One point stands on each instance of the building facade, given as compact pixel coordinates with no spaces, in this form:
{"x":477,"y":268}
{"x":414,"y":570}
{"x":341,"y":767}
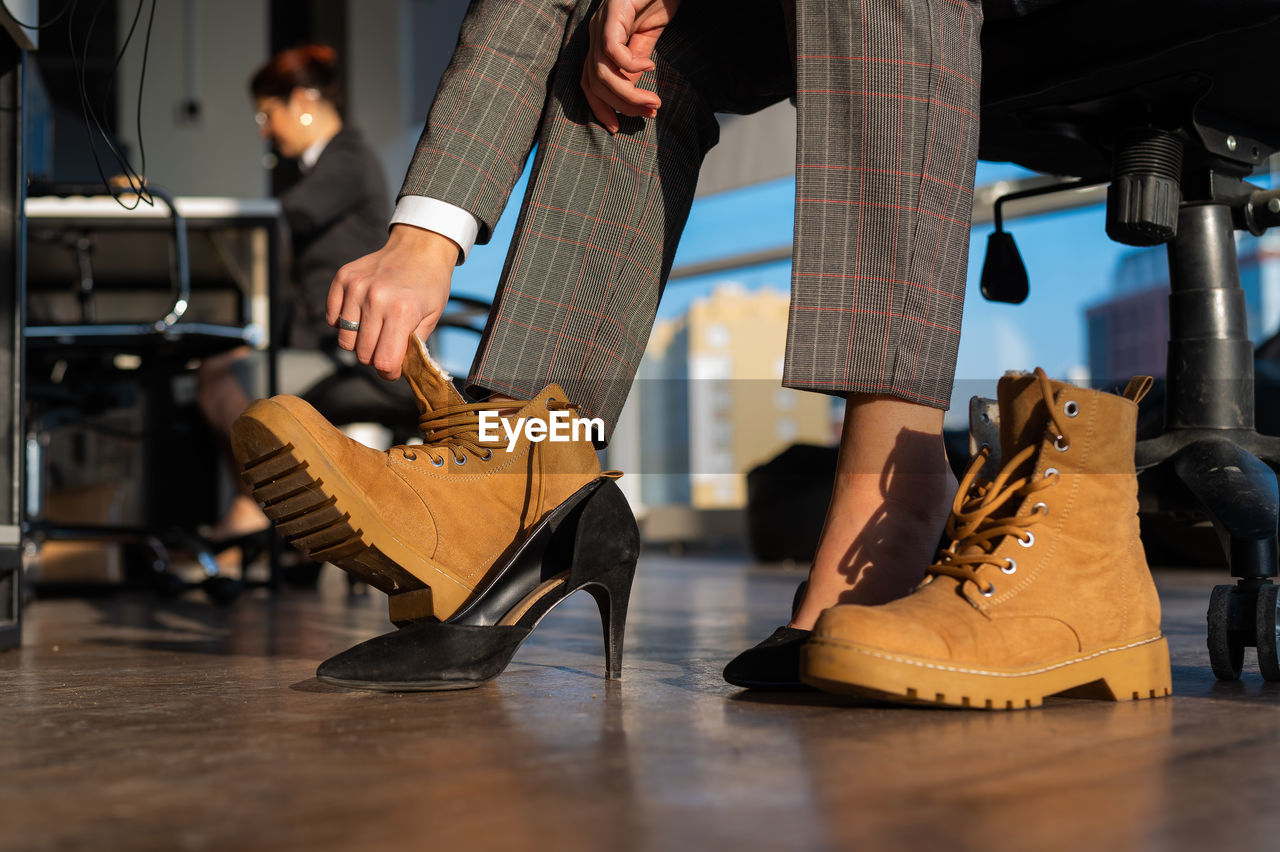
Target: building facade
{"x":709,"y":405}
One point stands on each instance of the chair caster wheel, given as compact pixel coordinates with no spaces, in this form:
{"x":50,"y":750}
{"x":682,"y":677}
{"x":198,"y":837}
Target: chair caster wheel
{"x":1226,"y":647}
{"x":222,"y":590}
{"x":1268,"y":632}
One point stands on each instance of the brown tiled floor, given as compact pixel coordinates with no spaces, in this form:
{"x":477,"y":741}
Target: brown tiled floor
{"x":128,"y":723}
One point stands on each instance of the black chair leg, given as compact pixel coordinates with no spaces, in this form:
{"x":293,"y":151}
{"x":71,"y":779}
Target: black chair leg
{"x":1241,"y":496}
{"x":1210,"y":444}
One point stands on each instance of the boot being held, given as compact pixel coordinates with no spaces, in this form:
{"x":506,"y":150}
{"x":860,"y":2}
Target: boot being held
{"x":426,"y":523}
{"x":1044,"y":589}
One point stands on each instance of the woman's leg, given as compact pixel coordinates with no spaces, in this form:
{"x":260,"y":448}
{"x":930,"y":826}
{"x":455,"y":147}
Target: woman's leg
{"x":603,"y":213}
{"x":887,"y":92}
{"x":222,"y":398}
{"x":892,"y":494}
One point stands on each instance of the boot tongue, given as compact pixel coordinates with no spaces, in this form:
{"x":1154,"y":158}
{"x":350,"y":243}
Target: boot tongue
{"x":1023,"y":414}
{"x":432,"y":385}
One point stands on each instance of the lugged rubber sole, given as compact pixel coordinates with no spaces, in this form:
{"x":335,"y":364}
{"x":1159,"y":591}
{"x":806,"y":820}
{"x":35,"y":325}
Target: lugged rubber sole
{"x":1124,"y":673}
{"x":322,"y":513}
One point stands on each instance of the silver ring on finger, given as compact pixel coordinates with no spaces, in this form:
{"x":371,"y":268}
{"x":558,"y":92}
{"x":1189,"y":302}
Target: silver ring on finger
{"x":348,"y":325}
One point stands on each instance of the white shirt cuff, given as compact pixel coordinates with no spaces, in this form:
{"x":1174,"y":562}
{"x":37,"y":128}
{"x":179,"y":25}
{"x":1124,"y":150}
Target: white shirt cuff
{"x":441,"y":217}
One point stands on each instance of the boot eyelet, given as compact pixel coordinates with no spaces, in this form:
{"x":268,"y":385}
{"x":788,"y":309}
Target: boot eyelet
{"x":1048,"y":472}
{"x":1061,"y":444}
{"x":488,"y":454}
{"x":410,"y":456}
{"x":437,"y":462}
{"x":1025,"y":542}
{"x":989,"y":590}
{"x":550,"y":400}
{"x":1010,"y":568}
{"x":1071,"y":409}
{"x":1040,"y":509}
{"x":459,"y":460}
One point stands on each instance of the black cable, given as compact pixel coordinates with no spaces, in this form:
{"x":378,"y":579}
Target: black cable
{"x":137,"y":179}
{"x":103,"y":131}
{"x":115,"y":67}
{"x":79,"y":60}
{"x":94,"y":121}
{"x":142,"y":78}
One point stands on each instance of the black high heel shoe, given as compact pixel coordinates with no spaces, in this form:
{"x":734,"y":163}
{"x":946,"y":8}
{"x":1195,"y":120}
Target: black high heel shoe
{"x":589,"y":542}
{"x":774,"y":664}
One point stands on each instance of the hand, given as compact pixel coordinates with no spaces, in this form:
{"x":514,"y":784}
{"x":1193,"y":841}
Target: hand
{"x":623,"y":34}
{"x":398,"y":290}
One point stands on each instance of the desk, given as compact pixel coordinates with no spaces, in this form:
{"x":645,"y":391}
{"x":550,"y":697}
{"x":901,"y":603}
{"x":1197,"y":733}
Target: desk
{"x":232,"y":248}
{"x":104,"y":281}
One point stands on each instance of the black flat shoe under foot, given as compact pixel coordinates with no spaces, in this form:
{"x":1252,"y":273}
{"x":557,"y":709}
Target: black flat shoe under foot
{"x":590,"y":542}
{"x":774,"y":664}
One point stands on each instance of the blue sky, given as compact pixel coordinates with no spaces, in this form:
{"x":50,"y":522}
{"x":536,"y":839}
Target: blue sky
{"x":1069,"y":259}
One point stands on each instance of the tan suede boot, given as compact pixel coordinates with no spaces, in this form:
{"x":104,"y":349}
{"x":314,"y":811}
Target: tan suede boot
{"x":423,"y":523}
{"x":1044,"y":588}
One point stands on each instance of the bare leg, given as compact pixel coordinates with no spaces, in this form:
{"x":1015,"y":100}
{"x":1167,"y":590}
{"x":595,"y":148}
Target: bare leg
{"x":892,"y":495}
{"x":221,"y":397}
{"x":222,"y":400}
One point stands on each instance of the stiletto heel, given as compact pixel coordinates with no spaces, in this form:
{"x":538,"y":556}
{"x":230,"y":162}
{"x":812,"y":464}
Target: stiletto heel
{"x":613,"y":618}
{"x":605,"y":551}
{"x":590,"y":542}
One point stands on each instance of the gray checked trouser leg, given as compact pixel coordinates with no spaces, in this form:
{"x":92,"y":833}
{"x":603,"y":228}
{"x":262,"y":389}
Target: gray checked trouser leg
{"x":887,"y":142}
{"x":600,"y":222}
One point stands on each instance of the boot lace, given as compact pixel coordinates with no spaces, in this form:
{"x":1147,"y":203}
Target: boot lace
{"x":983,"y":512}
{"x":455,"y":431}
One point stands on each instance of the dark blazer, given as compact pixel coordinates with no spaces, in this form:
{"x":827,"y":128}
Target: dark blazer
{"x":337,"y":212}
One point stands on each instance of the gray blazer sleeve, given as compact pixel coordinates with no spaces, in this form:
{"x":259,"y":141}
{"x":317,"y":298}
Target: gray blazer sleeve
{"x":485,"y":117}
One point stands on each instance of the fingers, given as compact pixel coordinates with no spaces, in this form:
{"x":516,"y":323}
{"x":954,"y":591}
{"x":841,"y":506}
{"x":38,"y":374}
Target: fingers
{"x":609,"y":94}
{"x":614,"y":83}
{"x":385,"y":326}
{"x":389,"y":294}
{"x":386,"y":353}
{"x":367,"y":337}
{"x":601,"y":110}
{"x":393,"y":340}
{"x":612,"y":67}
{"x":620,"y":93}
{"x":614,"y":39}
{"x":346,"y":296}
{"x":337,"y":291}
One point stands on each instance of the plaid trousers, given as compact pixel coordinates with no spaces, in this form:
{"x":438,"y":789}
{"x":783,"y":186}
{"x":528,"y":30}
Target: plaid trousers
{"x":887,"y":93}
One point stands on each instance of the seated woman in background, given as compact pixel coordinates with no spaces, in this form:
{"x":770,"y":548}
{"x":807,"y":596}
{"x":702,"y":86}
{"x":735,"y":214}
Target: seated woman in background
{"x":338,"y":211}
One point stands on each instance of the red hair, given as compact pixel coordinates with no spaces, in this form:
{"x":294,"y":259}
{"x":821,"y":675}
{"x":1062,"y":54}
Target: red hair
{"x":311,"y":66}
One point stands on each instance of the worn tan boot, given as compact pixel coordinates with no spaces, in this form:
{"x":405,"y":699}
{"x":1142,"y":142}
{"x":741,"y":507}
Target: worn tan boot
{"x":424,"y":523}
{"x":1044,"y":589}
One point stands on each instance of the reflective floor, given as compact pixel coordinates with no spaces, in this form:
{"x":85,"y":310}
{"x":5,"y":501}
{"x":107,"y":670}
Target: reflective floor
{"x":134,"y":724}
